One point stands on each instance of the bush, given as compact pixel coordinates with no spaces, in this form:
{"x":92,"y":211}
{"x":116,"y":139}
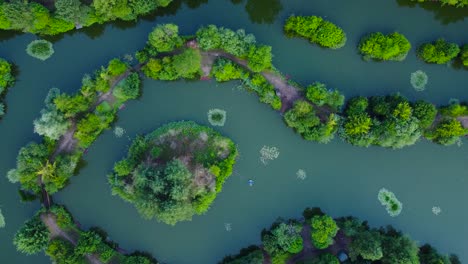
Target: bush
{"x":129,"y":88}
{"x":447,"y":132}
{"x":457,"y":3}
{"x":259,"y":58}
{"x":378,"y":46}
{"x":32,"y":237}
{"x":425,"y":112}
{"x":236,"y":43}
{"x":225,"y":70}
{"x":316,"y":30}
{"x":439,"y":52}
{"x":419,"y":80}
{"x":217,"y":117}
{"x":40,"y":49}
{"x":6,"y":76}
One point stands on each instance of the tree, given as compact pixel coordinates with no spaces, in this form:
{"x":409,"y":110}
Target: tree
{"x":367,"y":244}
{"x":128,"y":88}
{"x":88,"y":243}
{"x":32,"y":237}
{"x":187,"y":64}
{"x":425,"y":112}
{"x":165,"y":37}
{"x":324,"y":229}
{"x":325,"y":258}
{"x":29,"y":161}
{"x":447,"y":132}
{"x":72,"y":11}
{"x":6,"y":76}
{"x":209,"y":37}
{"x":439,"y":52}
{"x":318,"y":94}
{"x":283,"y":237}
{"x":398,"y":248}
{"x":464,"y":55}
{"x":378,"y":46}
{"x":51,"y":124}
{"x":259,"y":58}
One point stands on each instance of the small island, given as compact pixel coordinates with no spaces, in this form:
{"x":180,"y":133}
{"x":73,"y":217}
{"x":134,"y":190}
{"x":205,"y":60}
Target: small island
{"x":174,"y":172}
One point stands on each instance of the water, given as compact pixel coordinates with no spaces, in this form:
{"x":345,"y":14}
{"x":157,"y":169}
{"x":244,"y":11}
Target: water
{"x":341,"y":179}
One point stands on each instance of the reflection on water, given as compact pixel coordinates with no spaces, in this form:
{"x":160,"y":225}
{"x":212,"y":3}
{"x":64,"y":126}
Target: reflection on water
{"x":445,"y":14}
{"x":262,"y":11}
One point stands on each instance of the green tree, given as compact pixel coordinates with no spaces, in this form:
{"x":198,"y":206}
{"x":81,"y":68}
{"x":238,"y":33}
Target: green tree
{"x":367,"y":244}
{"x":324,"y":229}
{"x":187,"y":64}
{"x":129,"y":88}
{"x":378,"y":46}
{"x":447,"y":132}
{"x":88,"y":243}
{"x":325,"y":258}
{"x":398,"y":248}
{"x":425,"y":112}
{"x":439,"y":52}
{"x":51,"y":124}
{"x":259,"y":58}
{"x":283,"y":237}
{"x":72,"y":11}
{"x":165,"y":37}
{"x":32,"y":237}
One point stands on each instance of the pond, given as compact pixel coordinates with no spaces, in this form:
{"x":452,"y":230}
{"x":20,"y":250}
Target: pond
{"x":341,"y":179}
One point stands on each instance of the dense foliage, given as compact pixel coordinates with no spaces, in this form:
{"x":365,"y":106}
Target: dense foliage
{"x":439,"y":52}
{"x":316,"y":30}
{"x":457,"y":3}
{"x":184,"y":65}
{"x":40,"y":49}
{"x":283,"y":243}
{"x":464,"y":55}
{"x":387,"y":121}
{"x":65,"y":15}
{"x":6,"y":80}
{"x":378,"y":46}
{"x":324,"y":229}
{"x":174,"y":172}
{"x":32,"y":237}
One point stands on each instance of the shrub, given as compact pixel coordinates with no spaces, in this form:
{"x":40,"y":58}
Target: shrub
{"x":259,"y":58}
{"x":447,"y":132}
{"x":419,"y":80}
{"x":425,"y":112}
{"x":283,"y":237}
{"x":40,"y":49}
{"x":316,"y":30}
{"x":217,"y":117}
{"x":225,"y":70}
{"x":6,"y":76}
{"x":129,"y":88}
{"x":32,"y":237}
{"x":439,"y":52}
{"x":318,"y":94}
{"x":378,"y":46}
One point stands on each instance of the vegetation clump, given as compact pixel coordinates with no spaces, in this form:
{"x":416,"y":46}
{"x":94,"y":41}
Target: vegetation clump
{"x":174,"y":172}
{"x":217,"y":117}
{"x":456,"y":3}
{"x":6,"y":80}
{"x":316,"y":30}
{"x":283,"y":243}
{"x":66,"y":15}
{"x":40,"y":49}
{"x":419,"y":80}
{"x":439,"y":52}
{"x":391,"y":203}
{"x":464,"y":55}
{"x":283,"y":239}
{"x":394,"y":46}
{"x":387,"y":121}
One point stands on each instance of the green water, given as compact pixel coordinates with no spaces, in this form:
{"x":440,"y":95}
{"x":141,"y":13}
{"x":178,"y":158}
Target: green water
{"x":341,"y":179}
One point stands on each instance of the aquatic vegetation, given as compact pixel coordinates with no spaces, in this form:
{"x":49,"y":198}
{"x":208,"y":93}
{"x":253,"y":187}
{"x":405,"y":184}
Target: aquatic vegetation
{"x":316,"y":30}
{"x":40,"y":49}
{"x":394,"y":46}
{"x":301,"y":174}
{"x":391,"y":203}
{"x":464,"y":55}
{"x":439,"y":52}
{"x":2,"y":219}
{"x":174,"y":172}
{"x":217,"y":117}
{"x":268,"y":153}
{"x":419,"y":80}
{"x":436,"y":210}
{"x":457,"y":3}
{"x":119,"y":131}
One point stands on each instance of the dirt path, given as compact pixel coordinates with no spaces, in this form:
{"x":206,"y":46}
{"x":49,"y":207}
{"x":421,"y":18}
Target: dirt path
{"x":55,"y":232}
{"x":463,"y":120}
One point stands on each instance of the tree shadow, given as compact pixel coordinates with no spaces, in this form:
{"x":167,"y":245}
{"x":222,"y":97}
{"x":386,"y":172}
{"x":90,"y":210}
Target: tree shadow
{"x":261,"y":11}
{"x":445,"y":14}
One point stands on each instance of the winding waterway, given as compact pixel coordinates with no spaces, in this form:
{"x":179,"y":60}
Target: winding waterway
{"x":341,"y":179}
